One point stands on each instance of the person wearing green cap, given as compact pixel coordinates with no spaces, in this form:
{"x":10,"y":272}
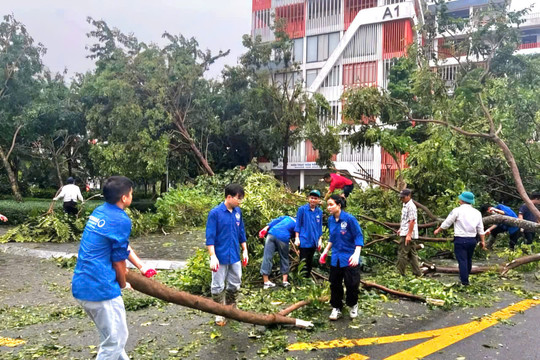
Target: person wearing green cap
{"x":468,"y":224}
{"x":309,"y":230}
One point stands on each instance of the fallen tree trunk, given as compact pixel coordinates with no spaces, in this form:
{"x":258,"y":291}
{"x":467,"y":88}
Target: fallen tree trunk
{"x":370,"y":285}
{"x":502,"y":269}
{"x":512,"y":221}
{"x":160,"y":291}
{"x":300,"y":304}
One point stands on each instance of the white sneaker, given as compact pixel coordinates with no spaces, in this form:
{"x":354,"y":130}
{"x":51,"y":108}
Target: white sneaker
{"x":336,"y":314}
{"x":268,"y":285}
{"x":286,"y":284}
{"x":353,"y":312}
{"x":220,"y":320}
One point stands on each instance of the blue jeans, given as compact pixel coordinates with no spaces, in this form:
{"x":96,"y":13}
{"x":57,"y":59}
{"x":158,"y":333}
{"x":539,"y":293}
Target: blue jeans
{"x":271,"y":245}
{"x":464,"y":250}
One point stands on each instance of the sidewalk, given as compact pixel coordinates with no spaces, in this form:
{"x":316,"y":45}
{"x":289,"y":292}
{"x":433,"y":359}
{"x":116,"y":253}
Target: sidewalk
{"x":50,"y":251}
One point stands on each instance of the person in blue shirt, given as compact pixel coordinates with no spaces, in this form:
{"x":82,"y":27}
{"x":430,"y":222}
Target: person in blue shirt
{"x":525,"y":214}
{"x":346,"y":241}
{"x":497,"y":229}
{"x":278,"y":234}
{"x":225,"y":234}
{"x":309,"y":229}
{"x":100,"y":272}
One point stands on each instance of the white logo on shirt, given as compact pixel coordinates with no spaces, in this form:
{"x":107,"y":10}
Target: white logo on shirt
{"x":101,"y":223}
{"x":343,"y":225}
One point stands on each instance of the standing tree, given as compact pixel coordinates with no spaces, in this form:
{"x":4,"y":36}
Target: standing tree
{"x":20,"y":67}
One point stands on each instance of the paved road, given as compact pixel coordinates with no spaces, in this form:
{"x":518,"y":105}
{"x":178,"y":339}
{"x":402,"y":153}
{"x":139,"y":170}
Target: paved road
{"x":514,"y":338}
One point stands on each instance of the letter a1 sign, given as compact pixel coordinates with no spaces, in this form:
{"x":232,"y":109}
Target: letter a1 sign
{"x":388,"y":12}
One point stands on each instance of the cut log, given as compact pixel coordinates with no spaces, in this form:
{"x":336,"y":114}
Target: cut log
{"x":511,"y":221}
{"x":372,"y":285}
{"x":160,"y":291}
{"x":503,"y":269}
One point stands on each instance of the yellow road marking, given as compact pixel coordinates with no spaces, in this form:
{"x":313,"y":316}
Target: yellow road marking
{"x":9,"y":342}
{"x":438,"y":339}
{"x":354,"y":357}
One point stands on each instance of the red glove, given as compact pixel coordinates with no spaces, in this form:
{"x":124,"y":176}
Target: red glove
{"x":263,"y":233}
{"x":148,"y":272}
{"x":322,"y":259}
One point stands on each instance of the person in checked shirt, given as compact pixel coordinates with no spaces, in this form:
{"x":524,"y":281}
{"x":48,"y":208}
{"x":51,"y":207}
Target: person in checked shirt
{"x":408,"y":232}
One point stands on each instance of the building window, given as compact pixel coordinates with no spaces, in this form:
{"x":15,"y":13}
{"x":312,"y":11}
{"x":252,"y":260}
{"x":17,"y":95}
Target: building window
{"x":310,"y":76}
{"x":320,"y":47}
{"x":459,"y":14}
{"x":298,"y":50}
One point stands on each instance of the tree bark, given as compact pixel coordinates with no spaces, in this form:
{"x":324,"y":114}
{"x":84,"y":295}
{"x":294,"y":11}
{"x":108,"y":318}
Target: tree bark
{"x":11,"y":176}
{"x":369,"y":285}
{"x":160,"y":291}
{"x":512,"y":221}
{"x":502,"y":269}
{"x":58,"y":173}
{"x":198,"y":154}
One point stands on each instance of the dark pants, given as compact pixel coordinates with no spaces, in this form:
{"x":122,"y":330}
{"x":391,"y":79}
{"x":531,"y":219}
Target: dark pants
{"x":498,"y":230}
{"x":306,"y":254}
{"x":70,"y":207}
{"x":351,"y":276}
{"x":347,"y":190}
{"x":528,"y":236}
{"x":464,"y":249}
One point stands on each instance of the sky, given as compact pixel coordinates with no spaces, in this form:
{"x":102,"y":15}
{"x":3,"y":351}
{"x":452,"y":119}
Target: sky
{"x":60,"y":25}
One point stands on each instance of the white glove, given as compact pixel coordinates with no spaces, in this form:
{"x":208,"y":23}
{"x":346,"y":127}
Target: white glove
{"x":319,"y":246}
{"x":214,"y":263}
{"x":245,"y":257}
{"x":297,"y":241}
{"x":128,"y":286}
{"x":355,"y":258}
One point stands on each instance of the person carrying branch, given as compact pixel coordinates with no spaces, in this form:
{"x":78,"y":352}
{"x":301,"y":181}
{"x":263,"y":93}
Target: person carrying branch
{"x":346,"y":241}
{"x":278,"y":234}
{"x":71,"y":194}
{"x":100,"y":273}
{"x":497,"y":229}
{"x":309,"y":230}
{"x":408,"y":232}
{"x":526,"y":214}
{"x":468,"y":225}
{"x":225,"y":234}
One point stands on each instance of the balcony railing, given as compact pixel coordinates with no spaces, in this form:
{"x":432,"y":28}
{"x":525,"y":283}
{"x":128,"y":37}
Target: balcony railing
{"x":529,"y":46}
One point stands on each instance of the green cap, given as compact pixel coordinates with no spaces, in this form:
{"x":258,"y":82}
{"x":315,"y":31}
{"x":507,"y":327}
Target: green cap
{"x":467,"y":196}
{"x":315,"y":192}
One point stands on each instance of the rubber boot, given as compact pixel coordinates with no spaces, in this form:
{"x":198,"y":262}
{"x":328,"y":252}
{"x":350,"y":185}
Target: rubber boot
{"x":230,"y":297}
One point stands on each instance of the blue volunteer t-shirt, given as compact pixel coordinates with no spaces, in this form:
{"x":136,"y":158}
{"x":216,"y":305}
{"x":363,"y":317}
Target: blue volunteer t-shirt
{"x":508,"y":212}
{"x":225,"y":230}
{"x":345,"y":236}
{"x":527,"y":214}
{"x":309,"y":226}
{"x":282,"y":228}
{"x":105,"y":240}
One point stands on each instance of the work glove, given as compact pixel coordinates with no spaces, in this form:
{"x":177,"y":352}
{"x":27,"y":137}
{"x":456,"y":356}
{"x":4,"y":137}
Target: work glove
{"x":127,"y":287}
{"x":263,"y":233}
{"x":214,"y":263}
{"x":3,"y":218}
{"x":148,"y":272}
{"x":354,"y":260}
{"x":322,"y":259}
{"x":245,"y":257}
{"x":297,"y":241}
{"x":319,"y":246}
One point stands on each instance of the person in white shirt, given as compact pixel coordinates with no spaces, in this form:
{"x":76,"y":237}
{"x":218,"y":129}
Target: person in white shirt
{"x":71,"y":194}
{"x":468,"y":224}
{"x":408,"y":232}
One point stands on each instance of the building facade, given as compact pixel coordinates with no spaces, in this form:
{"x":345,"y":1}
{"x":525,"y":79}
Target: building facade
{"x":340,"y":44}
